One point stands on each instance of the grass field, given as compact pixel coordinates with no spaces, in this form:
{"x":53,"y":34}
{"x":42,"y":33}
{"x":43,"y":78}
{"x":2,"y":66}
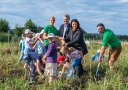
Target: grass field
{"x":12,"y":75}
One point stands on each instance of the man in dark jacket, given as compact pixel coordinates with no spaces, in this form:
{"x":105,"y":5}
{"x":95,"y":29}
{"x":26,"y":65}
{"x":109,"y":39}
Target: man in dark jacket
{"x":64,"y":28}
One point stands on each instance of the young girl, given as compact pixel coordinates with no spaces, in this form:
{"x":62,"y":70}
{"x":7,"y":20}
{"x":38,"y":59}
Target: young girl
{"x":50,"y":58}
{"x":30,"y":54}
{"x":74,"y":55}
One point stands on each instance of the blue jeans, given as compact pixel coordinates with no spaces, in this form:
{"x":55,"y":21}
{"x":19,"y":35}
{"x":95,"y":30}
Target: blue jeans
{"x":75,"y":62}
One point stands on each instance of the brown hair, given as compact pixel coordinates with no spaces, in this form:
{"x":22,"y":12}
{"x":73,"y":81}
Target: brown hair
{"x":67,"y":15}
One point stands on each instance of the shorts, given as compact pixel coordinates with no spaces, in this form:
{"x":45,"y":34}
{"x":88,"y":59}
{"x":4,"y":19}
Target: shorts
{"x":30,"y":56}
{"x":34,"y":56}
{"x":114,"y":53}
{"x":51,"y":69}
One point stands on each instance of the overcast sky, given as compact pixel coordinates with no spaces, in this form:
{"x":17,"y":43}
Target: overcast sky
{"x":113,"y":13}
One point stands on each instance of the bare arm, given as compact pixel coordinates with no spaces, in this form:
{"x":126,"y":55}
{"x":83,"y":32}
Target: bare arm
{"x":33,"y":42}
{"x":80,"y":53}
{"x":102,"y":51}
{"x":45,"y":35}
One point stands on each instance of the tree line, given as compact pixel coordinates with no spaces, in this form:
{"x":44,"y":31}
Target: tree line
{"x":18,"y":30}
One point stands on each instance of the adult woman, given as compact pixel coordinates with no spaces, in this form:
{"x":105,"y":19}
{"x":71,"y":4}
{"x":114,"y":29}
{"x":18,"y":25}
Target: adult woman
{"x":49,"y":29}
{"x":75,"y":38}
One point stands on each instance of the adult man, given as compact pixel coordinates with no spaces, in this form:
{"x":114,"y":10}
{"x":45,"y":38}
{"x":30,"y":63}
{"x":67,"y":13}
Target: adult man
{"x":64,"y":28}
{"x":109,"y":39}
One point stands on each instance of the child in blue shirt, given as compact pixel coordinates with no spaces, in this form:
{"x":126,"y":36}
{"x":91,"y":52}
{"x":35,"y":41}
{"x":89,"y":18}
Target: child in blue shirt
{"x":22,"y":48}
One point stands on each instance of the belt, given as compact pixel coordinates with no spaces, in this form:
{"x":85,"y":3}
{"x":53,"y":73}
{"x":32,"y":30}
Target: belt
{"x":116,"y":47}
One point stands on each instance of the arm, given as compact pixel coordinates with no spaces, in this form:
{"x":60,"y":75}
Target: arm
{"x":75,"y":40}
{"x":34,"y":46}
{"x":33,"y":42}
{"x":51,"y":48}
{"x":63,"y":70}
{"x":102,"y":51}
{"x":80,"y":53}
{"x":42,"y":42}
{"x":45,"y":35}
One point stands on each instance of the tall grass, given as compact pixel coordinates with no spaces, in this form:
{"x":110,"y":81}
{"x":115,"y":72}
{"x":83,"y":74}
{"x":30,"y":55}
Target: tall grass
{"x":12,"y":75}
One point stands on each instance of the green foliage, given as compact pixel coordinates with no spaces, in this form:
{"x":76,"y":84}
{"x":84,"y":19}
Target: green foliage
{"x":18,"y":30}
{"x":4,"y":25}
{"x":4,"y":37}
{"x":31,"y":25}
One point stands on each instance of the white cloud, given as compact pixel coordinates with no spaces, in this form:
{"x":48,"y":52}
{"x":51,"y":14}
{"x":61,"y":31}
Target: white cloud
{"x":89,"y":12}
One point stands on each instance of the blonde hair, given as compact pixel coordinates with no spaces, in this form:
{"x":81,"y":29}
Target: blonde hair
{"x":52,"y":17}
{"x":65,"y":48}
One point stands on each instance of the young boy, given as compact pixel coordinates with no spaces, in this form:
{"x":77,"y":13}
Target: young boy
{"x":50,"y":58}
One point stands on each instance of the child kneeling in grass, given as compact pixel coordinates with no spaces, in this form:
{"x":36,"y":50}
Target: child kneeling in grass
{"x":67,"y":70}
{"x":74,"y":56}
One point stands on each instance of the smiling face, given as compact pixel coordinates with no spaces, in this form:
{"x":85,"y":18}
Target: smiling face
{"x":74,"y":25}
{"x":66,"y":20}
{"x":100,"y":29}
{"x":52,"y":21}
{"x":50,"y":39}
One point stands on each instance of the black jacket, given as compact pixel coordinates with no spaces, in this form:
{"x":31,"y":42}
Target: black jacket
{"x":75,"y":39}
{"x":61,"y":31}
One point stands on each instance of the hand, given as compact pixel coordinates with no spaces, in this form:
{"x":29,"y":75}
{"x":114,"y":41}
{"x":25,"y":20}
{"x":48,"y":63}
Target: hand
{"x":100,"y":59}
{"x":66,"y":44}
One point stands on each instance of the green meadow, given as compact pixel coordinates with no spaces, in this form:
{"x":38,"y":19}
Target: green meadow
{"x":14,"y":77}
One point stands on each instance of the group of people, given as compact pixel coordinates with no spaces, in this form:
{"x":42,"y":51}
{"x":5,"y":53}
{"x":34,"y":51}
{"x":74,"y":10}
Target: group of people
{"x":43,"y":53}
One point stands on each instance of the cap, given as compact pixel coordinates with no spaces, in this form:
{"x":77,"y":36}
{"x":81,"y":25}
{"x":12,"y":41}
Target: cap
{"x":28,"y":31}
{"x":60,"y":59}
{"x":37,"y":35}
{"x":50,"y":35}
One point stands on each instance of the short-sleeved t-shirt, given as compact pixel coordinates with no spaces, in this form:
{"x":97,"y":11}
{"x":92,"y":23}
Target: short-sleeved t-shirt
{"x":27,"y":45}
{"x":40,"y":49}
{"x":110,"y":39}
{"x":48,"y":29}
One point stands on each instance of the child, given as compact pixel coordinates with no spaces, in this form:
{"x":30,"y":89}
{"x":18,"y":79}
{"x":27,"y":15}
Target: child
{"x":40,"y":47}
{"x":74,"y":55}
{"x":28,"y":45}
{"x":22,"y":48}
{"x":67,"y":70}
{"x":61,"y":60}
{"x":30,"y":52}
{"x":51,"y":56}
